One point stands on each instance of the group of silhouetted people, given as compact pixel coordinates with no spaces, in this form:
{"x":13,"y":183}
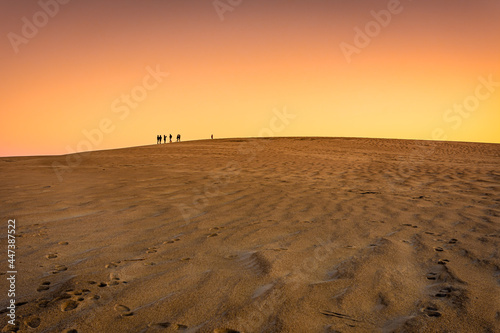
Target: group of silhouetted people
{"x":159,"y":137}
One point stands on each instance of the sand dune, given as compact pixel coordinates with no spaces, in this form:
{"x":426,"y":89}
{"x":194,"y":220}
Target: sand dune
{"x":258,"y":235}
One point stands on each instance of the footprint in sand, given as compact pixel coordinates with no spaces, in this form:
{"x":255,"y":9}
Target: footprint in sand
{"x":225,"y":330}
{"x":70,"y":330}
{"x":59,"y":269}
{"x":123,"y":310}
{"x":44,"y":286}
{"x":172,"y":241}
{"x":181,"y":327}
{"x":114,"y":280}
{"x":453,"y":241}
{"x":69,"y":305}
{"x":432,"y":276}
{"x":213,"y":235}
{"x":33,"y":322}
{"x":152,"y":250}
{"x":63,"y":243}
{"x":43,"y":303}
{"x":438,"y":249}
{"x":51,"y":256}
{"x":441,"y":273}
{"x":431,"y":311}
{"x":79,"y":292}
{"x":445,"y":292}
{"x":163,"y":325}
{"x":113,"y":264}
{"x":63,"y":296}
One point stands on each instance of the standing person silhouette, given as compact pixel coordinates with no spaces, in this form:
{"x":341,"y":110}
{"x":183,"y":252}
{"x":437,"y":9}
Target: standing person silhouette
{"x":158,"y":139}
{"x":178,"y":138}
{"x":164,"y":138}
{"x":212,"y":136}
{"x":170,"y":137}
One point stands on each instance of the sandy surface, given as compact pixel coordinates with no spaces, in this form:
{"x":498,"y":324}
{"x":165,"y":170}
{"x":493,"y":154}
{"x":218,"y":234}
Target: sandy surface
{"x":280,"y":235}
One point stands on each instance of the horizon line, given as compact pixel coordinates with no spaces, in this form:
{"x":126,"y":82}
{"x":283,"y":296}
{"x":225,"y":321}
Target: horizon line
{"x":249,"y":138}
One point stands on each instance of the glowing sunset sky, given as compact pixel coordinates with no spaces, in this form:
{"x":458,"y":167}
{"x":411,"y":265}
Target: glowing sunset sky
{"x":226,"y":76}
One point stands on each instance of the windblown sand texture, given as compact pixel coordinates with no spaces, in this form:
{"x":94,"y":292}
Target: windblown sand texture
{"x":259,"y":235}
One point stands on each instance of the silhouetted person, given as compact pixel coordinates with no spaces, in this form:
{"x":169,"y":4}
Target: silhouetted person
{"x":170,"y":137}
{"x":212,"y":136}
{"x":178,"y":138}
{"x":164,"y":138}
{"x":158,"y":139}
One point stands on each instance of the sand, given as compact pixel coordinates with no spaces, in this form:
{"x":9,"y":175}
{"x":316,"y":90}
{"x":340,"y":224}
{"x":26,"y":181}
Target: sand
{"x":257,"y":235}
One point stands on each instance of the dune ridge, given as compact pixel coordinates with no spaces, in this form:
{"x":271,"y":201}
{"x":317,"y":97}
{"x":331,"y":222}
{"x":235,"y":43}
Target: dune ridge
{"x":259,"y":235}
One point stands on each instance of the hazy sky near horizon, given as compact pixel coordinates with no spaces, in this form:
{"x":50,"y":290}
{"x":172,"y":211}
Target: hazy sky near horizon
{"x":81,"y":75}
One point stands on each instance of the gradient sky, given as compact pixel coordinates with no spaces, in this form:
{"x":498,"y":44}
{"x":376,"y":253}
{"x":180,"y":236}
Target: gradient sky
{"x":229,"y":77}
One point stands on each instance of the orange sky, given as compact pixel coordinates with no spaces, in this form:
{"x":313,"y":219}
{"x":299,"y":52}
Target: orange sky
{"x":421,"y":76}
